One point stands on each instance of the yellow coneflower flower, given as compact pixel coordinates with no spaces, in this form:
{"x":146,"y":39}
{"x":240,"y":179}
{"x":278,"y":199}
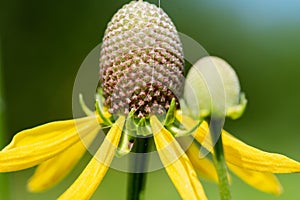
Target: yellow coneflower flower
{"x":141,"y":76}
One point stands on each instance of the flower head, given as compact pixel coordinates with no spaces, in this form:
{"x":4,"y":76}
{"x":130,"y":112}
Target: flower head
{"x":141,"y":60}
{"x":141,"y":81}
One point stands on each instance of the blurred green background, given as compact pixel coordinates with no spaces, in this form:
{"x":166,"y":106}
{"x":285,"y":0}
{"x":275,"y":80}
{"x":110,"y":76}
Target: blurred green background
{"x":43,"y":44}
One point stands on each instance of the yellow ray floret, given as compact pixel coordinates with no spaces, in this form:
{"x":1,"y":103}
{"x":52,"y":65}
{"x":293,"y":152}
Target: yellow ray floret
{"x":51,"y":171}
{"x":43,"y":132}
{"x":203,"y":165}
{"x":176,"y":163}
{"x":33,"y":146}
{"x":263,"y":181}
{"x":245,"y":156}
{"x":86,"y":184}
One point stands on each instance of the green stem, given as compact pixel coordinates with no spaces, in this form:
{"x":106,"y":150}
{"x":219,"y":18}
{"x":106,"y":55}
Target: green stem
{"x":137,"y":181}
{"x":219,"y":159}
{"x":4,"y":187}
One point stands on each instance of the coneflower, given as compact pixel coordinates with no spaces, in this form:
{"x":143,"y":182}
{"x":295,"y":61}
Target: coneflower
{"x":141,"y":81}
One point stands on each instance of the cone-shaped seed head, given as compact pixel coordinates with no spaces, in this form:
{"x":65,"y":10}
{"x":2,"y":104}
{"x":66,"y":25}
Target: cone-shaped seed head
{"x":141,"y":61}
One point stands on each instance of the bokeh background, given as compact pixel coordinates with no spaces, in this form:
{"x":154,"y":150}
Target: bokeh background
{"x":43,"y":44}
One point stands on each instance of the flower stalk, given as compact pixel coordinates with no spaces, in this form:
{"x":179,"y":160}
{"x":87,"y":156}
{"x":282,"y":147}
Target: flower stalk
{"x":137,"y":179}
{"x":219,"y":159}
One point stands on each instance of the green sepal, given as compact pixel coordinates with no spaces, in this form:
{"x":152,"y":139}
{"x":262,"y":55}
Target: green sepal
{"x":170,"y":117}
{"x":130,"y":122}
{"x":99,"y":110}
{"x":125,"y":145}
{"x":84,"y":107}
{"x":237,"y":111}
{"x":143,"y":127}
{"x":179,"y":132}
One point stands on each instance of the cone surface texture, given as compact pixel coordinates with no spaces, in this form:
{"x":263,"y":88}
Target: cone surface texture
{"x":141,"y":61}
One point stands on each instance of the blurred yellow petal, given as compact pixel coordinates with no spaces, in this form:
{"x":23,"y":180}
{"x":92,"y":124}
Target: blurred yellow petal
{"x":50,"y":172}
{"x":42,"y":143}
{"x":203,"y":165}
{"x":263,"y":181}
{"x":245,"y":156}
{"x":176,"y":163}
{"x":88,"y":181}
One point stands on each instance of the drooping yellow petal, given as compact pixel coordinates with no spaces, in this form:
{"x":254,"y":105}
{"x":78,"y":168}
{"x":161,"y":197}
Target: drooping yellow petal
{"x":176,"y":163}
{"x":263,"y":181}
{"x":203,"y":165}
{"x":43,"y":132}
{"x":42,"y":143}
{"x":245,"y":156}
{"x":51,"y":171}
{"x":86,"y":184}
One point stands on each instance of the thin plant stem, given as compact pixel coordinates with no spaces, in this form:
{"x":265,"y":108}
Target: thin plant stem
{"x":219,"y":159}
{"x":4,"y":186}
{"x":137,"y":181}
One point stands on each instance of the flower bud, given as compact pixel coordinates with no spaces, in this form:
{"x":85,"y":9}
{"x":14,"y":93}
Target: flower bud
{"x":212,"y":86}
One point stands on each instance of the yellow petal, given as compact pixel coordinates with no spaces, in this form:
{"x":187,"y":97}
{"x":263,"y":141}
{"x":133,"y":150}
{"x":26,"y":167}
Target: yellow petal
{"x":86,"y":184}
{"x":203,"y":165}
{"x":42,"y":143}
{"x":43,"y":132}
{"x":176,"y":163}
{"x":263,"y":181}
{"x":201,"y":134}
{"x":245,"y":156}
{"x":50,"y":172}
{"x":187,"y":122}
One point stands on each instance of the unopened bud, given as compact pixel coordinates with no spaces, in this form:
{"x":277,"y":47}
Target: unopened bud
{"x":212,"y":86}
